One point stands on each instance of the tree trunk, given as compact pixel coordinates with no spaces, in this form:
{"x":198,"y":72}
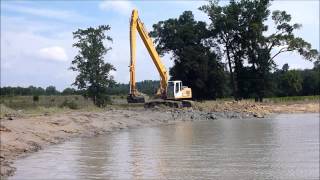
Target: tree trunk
{"x":234,"y":84}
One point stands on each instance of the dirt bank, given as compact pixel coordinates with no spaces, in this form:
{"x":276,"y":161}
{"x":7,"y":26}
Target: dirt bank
{"x":22,"y":135}
{"x":258,"y":109}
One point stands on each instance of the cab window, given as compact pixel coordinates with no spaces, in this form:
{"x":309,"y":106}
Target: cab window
{"x":177,"y":87}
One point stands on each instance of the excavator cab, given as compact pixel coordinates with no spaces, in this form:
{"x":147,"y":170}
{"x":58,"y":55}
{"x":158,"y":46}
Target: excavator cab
{"x":176,"y":90}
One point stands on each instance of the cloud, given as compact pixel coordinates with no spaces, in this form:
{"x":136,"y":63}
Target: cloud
{"x":54,"y":53}
{"x":65,"y":15}
{"x":306,"y":12}
{"x":121,"y":7}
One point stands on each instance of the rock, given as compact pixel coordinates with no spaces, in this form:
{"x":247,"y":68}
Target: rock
{"x":258,"y":115}
{"x":4,"y":129}
{"x":212,"y":116}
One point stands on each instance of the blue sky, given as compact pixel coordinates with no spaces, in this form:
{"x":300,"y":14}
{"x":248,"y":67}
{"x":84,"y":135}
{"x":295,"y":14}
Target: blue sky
{"x":36,"y":36}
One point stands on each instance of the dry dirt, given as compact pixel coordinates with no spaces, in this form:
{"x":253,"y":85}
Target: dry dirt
{"x":21,"y":136}
{"x":258,"y":109}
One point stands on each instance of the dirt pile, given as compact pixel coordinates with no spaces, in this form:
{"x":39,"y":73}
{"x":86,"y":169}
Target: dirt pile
{"x":250,"y":108}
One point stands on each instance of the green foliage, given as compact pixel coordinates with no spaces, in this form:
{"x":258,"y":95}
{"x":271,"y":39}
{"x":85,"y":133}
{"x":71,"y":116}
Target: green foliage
{"x":21,"y":91}
{"x":148,"y":87}
{"x":26,"y":102}
{"x":195,"y":63}
{"x":35,"y":98}
{"x":285,"y":67}
{"x":293,"y":99}
{"x":310,"y":82}
{"x":69,"y":91}
{"x":70,"y":104}
{"x":102,"y":100}
{"x":94,"y":74}
{"x":51,"y":90}
{"x":291,"y":83}
{"x":240,"y":27}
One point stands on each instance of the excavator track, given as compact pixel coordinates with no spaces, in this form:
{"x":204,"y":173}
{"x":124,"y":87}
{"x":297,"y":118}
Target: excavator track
{"x":169,"y":103}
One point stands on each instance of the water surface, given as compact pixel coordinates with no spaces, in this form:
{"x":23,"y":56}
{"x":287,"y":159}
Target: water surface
{"x":282,"y":147}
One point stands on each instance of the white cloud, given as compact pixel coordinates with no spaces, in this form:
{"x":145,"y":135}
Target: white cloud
{"x":54,"y":53}
{"x":65,"y":15}
{"x":306,"y":12}
{"x":121,"y":7}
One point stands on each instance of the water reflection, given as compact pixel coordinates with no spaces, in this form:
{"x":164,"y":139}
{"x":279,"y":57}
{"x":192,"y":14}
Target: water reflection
{"x":283,"y":147}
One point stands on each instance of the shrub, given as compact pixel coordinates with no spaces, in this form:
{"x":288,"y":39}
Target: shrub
{"x":35,"y":98}
{"x":103,"y":100}
{"x":70,"y":104}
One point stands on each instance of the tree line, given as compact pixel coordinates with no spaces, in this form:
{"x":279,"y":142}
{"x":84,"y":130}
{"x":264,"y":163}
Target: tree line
{"x":284,"y":82}
{"x":148,"y":87}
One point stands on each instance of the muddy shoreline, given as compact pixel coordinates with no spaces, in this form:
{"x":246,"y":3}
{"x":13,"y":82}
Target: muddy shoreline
{"x":22,"y":136}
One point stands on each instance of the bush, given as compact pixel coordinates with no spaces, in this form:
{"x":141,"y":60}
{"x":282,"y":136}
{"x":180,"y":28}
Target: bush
{"x":35,"y":98}
{"x":70,"y":104}
{"x":102,"y":100}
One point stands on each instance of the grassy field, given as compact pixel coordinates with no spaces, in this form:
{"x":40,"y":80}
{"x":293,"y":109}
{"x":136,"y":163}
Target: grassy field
{"x":30,"y":102}
{"x":30,"y":105}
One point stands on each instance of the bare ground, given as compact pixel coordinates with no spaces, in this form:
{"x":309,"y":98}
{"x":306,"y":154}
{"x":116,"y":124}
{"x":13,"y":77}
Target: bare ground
{"x":21,"y":135}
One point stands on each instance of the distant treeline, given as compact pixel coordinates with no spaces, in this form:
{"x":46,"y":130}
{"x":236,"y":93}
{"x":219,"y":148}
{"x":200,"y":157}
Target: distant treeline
{"x":285,"y":82}
{"x":148,"y":87}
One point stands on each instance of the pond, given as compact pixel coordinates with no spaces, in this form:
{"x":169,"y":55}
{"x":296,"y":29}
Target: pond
{"x":284,"y":146}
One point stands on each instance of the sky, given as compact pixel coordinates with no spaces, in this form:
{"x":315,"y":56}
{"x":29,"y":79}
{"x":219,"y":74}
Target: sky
{"x":36,"y":36}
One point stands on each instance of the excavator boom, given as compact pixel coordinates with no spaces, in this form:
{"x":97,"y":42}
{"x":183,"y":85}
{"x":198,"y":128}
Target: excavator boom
{"x":173,"y":90}
{"x":137,"y":25}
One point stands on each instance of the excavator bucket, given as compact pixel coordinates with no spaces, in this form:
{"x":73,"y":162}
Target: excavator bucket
{"x":135,"y":99}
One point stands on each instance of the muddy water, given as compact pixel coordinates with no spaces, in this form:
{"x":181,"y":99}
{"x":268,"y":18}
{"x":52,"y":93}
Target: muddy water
{"x":285,"y":146}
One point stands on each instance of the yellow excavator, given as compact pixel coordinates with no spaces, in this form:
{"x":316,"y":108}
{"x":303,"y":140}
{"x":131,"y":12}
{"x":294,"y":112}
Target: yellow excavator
{"x":172,"y":93}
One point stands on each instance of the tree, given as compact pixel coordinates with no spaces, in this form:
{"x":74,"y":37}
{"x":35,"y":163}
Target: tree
{"x":94,"y":74}
{"x":51,"y":90}
{"x":291,"y":83}
{"x":69,"y":91}
{"x":310,"y":82}
{"x":195,"y":63}
{"x":225,"y":29}
{"x":240,"y":26}
{"x":285,"y":67}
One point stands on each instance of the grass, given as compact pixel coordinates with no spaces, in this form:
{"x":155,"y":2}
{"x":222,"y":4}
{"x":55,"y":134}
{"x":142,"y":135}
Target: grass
{"x":32,"y":106}
{"x":28,"y":102}
{"x":29,"y":105}
{"x":287,"y":99}
{"x":293,"y":99}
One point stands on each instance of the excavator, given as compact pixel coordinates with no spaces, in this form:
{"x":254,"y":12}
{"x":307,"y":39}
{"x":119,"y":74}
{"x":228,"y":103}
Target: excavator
{"x":171,"y":93}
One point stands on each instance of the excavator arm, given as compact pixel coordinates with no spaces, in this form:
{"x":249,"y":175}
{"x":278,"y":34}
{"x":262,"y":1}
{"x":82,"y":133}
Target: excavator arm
{"x":137,"y":25}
